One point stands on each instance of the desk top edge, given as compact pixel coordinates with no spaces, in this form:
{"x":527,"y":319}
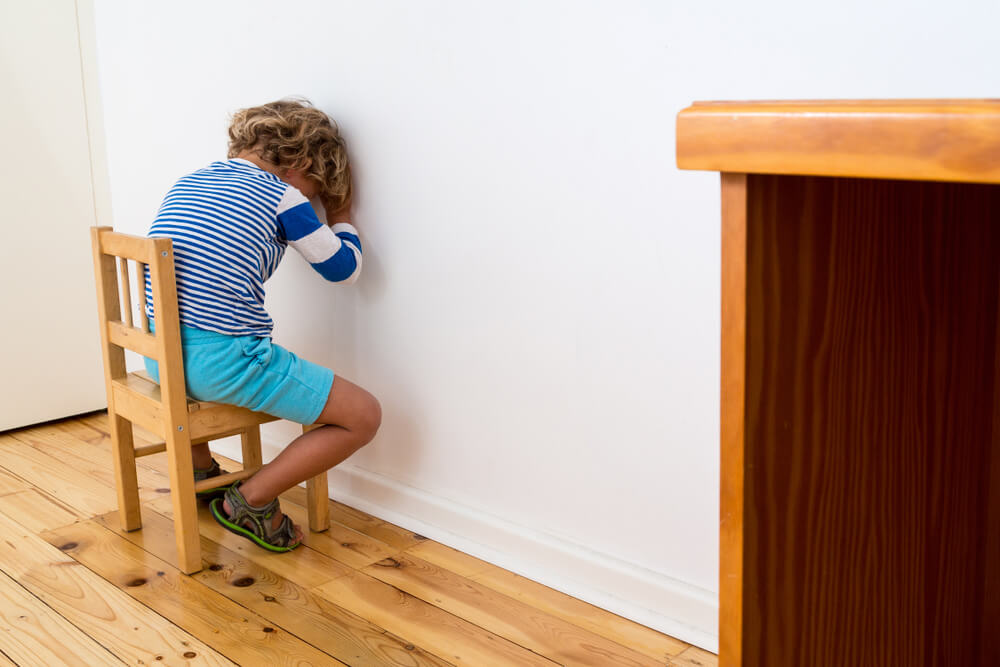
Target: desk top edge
{"x":902,"y":107}
{"x":919,"y":139}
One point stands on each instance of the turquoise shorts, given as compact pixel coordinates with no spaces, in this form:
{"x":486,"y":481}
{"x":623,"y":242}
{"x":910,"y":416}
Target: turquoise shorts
{"x":251,"y":372}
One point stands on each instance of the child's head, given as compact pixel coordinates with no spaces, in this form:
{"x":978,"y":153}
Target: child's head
{"x":292,"y":134}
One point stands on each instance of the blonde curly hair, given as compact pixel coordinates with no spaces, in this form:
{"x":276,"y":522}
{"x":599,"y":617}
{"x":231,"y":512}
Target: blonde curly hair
{"x":293,"y":134}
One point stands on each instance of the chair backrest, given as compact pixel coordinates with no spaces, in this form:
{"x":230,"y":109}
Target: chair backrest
{"x":112,"y":253}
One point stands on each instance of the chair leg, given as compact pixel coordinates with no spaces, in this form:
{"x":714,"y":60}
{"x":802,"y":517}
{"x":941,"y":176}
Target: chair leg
{"x":317,"y":497}
{"x":250,"y":439}
{"x":184,"y":503}
{"x":126,"y":483}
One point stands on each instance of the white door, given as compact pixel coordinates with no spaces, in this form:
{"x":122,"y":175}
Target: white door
{"x":50,"y":355}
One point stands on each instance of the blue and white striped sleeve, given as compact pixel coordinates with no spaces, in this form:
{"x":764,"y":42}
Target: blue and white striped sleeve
{"x":335,"y":252}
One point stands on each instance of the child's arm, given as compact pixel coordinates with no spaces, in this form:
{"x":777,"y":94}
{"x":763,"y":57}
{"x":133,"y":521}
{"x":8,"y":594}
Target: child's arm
{"x":335,"y":252}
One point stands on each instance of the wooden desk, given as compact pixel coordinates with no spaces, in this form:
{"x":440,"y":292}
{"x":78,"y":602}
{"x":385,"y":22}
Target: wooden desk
{"x":860,"y":379}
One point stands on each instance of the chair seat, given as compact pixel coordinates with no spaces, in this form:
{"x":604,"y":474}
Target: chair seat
{"x":137,"y":397}
{"x":147,"y":385}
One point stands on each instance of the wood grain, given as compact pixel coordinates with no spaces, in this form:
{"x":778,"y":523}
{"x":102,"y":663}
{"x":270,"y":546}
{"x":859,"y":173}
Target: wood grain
{"x":694,"y":657}
{"x":34,"y":634}
{"x":56,"y":478}
{"x":448,"y":558}
{"x":126,"y":628}
{"x":287,"y":604}
{"x":940,"y":140}
{"x":340,"y":542}
{"x":445,"y":635}
{"x":35,"y":511}
{"x":122,"y":245}
{"x":217,"y":621}
{"x":11,"y":483}
{"x":579,"y":613}
{"x":386,"y":533}
{"x":504,"y":616}
{"x":990,"y":647}
{"x":89,"y":460}
{"x":871,"y":390}
{"x":732,"y":413}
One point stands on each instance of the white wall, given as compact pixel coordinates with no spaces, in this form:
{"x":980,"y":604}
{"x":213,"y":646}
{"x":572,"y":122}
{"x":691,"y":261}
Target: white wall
{"x":539,"y":308}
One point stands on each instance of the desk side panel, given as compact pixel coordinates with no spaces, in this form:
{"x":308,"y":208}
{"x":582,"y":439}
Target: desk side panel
{"x":732,"y":403}
{"x":871,"y":392}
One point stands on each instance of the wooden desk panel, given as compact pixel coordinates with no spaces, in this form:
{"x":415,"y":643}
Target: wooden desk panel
{"x":870,"y":397}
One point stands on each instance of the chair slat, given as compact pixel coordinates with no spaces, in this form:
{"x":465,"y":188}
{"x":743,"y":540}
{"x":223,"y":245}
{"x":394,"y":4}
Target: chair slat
{"x":124,"y":245}
{"x":132,"y":339}
{"x":217,"y":418}
{"x":224,"y":480}
{"x":146,"y":450}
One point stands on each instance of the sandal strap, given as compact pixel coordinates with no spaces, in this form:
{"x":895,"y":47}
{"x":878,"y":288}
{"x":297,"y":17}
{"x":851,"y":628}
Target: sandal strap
{"x":213,"y":471}
{"x":258,"y":520}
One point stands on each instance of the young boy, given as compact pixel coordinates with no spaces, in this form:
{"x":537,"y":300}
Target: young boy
{"x":230,"y":224}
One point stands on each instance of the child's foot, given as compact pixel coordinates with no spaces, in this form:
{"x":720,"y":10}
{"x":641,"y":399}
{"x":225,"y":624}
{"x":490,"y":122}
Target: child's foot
{"x":266,"y":526}
{"x":275,"y":523}
{"x":207,"y":472}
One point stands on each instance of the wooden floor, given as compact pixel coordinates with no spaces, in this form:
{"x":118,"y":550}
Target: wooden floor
{"x":76,"y":590}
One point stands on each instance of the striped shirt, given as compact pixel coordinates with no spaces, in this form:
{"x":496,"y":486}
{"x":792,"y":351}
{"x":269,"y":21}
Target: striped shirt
{"x":230,"y":224}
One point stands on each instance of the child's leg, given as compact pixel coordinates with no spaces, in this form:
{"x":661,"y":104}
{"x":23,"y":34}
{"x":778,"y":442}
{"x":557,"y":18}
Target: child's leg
{"x":201,"y":456}
{"x":352,"y":417}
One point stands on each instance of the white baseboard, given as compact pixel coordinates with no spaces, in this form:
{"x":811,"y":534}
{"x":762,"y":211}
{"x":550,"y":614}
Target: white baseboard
{"x":655,"y":600}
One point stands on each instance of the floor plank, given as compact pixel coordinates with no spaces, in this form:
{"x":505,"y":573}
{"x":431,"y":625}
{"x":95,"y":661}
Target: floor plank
{"x":95,"y":460}
{"x":504,"y":616}
{"x":604,"y":623}
{"x":35,"y":511}
{"x":645,"y":640}
{"x":694,"y":657}
{"x":128,"y":629}
{"x":10,"y":483}
{"x":395,"y":536}
{"x":33,"y":634}
{"x":285,"y":603}
{"x":443,"y":634}
{"x":230,"y":629}
{"x":58,"y":479}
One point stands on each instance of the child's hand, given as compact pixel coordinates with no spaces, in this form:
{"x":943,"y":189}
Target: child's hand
{"x":337,"y":211}
{"x":338,"y":206}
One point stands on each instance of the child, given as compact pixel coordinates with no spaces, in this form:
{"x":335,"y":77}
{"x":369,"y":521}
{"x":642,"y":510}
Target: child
{"x":230,"y":224}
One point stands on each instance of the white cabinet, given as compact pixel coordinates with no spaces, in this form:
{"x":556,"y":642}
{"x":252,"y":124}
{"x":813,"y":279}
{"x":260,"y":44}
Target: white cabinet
{"x":50,"y":356}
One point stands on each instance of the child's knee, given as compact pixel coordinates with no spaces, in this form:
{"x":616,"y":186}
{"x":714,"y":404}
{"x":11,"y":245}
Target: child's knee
{"x":369,"y":418}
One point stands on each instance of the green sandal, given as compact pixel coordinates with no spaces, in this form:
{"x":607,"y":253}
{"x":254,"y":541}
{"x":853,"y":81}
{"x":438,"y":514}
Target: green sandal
{"x":254,"y":523}
{"x":213,"y":471}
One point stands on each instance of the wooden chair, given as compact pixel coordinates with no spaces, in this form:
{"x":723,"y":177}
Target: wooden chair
{"x":164,"y":409}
